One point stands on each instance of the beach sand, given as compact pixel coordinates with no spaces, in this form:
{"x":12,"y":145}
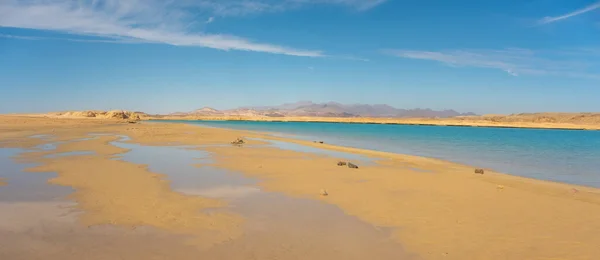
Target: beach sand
{"x":433,"y":209}
{"x":578,"y":121}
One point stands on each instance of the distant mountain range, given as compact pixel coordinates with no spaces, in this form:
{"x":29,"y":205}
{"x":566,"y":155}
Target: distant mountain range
{"x":330,"y":109}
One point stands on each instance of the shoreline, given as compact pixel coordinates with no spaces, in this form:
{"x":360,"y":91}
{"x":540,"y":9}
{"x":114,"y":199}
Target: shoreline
{"x":383,"y":154}
{"x":391,"y":155}
{"x":410,"y":122}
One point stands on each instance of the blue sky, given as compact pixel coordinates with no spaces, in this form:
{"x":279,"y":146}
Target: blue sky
{"x":505,"y":56}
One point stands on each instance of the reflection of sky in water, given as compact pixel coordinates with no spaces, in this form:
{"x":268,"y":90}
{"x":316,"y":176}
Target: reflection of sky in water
{"x":74,"y":153}
{"x":48,"y":146}
{"x":178,"y":164}
{"x":41,"y":136}
{"x":26,"y":186}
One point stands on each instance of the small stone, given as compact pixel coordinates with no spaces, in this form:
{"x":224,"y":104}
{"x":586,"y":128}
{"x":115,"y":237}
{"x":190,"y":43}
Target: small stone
{"x":479,"y":171}
{"x":320,"y":142}
{"x":352,"y":166}
{"x":238,"y":141}
{"x":340,"y":163}
{"x":324,"y":192}
{"x":500,"y":187}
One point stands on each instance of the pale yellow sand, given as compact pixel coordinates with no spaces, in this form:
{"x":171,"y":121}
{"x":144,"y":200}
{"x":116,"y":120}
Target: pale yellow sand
{"x":449,"y":213}
{"x":588,"y":121}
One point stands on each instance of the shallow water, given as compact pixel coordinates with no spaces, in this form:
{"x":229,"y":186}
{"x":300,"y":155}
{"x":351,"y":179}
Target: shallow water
{"x":26,"y":186}
{"x":36,"y":222}
{"x":74,"y":153}
{"x":558,"y":155}
{"x":276,"y":226}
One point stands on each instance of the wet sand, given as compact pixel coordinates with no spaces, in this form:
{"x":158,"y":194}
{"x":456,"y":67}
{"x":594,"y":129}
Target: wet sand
{"x":395,"y":207}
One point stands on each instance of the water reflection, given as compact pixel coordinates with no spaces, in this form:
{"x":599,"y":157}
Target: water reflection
{"x":25,"y":186}
{"x":276,"y":226}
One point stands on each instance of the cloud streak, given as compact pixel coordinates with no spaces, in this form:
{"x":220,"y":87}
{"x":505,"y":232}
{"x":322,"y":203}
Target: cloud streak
{"x":150,"y":21}
{"x":516,"y":62}
{"x":552,"y":19}
{"x":250,"y":7}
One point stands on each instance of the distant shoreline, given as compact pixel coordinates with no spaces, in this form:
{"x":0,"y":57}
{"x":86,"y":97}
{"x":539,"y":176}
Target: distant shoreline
{"x":418,"y":122}
{"x":557,"y":121}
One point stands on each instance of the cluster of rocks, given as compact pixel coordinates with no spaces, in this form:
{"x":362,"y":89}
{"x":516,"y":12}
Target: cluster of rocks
{"x":479,"y":171}
{"x":238,"y":141}
{"x":350,"y":165}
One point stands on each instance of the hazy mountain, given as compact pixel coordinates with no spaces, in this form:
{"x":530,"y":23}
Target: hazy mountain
{"x":286,"y":106}
{"x":330,"y":109}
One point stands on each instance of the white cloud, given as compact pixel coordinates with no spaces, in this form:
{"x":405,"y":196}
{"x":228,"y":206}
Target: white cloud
{"x":151,"y":21}
{"x":247,"y":7}
{"x":210,"y":20}
{"x":580,"y":63}
{"x":36,"y":38}
{"x":551,"y":19}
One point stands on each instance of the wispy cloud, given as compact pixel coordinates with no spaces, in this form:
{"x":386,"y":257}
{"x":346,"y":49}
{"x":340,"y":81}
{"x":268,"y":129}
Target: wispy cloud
{"x":551,"y":19}
{"x":248,"y":7}
{"x":37,"y":38}
{"x":210,"y":20}
{"x":153,"y":21}
{"x":582,"y":63}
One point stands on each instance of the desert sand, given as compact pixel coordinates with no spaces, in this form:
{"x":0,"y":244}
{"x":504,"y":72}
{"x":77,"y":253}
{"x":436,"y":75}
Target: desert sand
{"x":581,"y":121}
{"x":440,"y":211}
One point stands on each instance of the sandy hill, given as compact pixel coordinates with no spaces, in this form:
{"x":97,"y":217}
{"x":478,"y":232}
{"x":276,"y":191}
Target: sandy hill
{"x":99,"y":114}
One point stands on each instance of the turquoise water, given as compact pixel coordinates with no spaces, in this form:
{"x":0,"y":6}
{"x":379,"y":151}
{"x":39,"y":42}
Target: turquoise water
{"x":558,"y":155}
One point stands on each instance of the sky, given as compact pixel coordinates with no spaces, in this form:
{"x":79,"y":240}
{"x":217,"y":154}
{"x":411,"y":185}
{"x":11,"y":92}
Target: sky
{"x":157,"y":56}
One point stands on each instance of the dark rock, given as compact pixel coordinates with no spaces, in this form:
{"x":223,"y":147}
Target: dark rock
{"x":479,"y":171}
{"x":238,"y":141}
{"x":353,"y":166}
{"x":340,"y":163}
{"x":320,"y":142}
